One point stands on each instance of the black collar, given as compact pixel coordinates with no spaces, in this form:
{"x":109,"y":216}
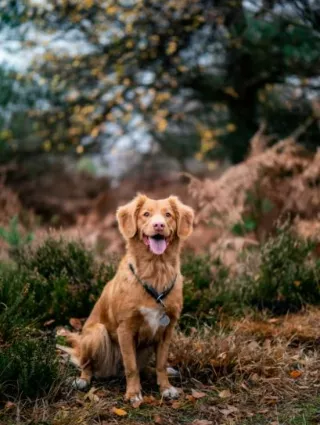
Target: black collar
{"x":151,"y":290}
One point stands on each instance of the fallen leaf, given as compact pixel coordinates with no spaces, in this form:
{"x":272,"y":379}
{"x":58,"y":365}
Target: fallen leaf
{"x":176,"y":404}
{"x":295,"y":374}
{"x":76,"y":324}
{"x":229,"y":410}
{"x":151,"y":401}
{"x":224,"y":394}
{"x":189,"y":397}
{"x":197,"y":394}
{"x":91,"y":395}
{"x":157,"y":419}
{"x":202,"y":422}
{"x":119,"y":412}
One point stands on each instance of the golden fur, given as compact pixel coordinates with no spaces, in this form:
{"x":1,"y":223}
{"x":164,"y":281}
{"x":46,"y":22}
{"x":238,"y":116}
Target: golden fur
{"x":124,"y":323}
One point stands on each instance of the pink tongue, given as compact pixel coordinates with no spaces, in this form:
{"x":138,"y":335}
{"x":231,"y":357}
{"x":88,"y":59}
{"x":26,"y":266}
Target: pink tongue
{"x":157,"y":246}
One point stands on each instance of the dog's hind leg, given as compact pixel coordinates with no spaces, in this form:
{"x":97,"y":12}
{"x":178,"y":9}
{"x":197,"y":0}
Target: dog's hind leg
{"x":99,"y":356}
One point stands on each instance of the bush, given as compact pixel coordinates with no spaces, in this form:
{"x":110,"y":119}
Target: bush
{"x":208,"y":290}
{"x":28,"y":367}
{"x":285,"y":277}
{"x":61,"y":279}
{"x":288,"y":276}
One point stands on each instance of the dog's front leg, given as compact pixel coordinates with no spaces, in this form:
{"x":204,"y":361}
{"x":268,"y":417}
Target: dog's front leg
{"x":162,"y":351}
{"x":128,"y":351}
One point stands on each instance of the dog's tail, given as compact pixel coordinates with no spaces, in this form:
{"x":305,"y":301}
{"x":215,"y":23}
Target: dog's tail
{"x":74,"y":351}
{"x":93,"y":348}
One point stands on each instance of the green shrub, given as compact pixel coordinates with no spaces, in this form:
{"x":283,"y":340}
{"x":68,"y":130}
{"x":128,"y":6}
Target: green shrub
{"x":285,"y":277}
{"x":57,"y":280}
{"x":288,"y":277}
{"x":206,"y":289}
{"x":28,"y":367}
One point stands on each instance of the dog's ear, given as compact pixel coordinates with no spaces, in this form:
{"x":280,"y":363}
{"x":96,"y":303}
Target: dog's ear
{"x":127,"y":216}
{"x":185,"y":217}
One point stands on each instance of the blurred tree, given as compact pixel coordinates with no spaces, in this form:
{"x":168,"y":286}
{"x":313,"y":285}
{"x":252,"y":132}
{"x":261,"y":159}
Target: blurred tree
{"x":270,"y":71}
{"x":196,"y":75}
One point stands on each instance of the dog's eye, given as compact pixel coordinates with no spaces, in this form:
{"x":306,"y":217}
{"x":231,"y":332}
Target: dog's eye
{"x":168,"y":214}
{"x":146,"y":214}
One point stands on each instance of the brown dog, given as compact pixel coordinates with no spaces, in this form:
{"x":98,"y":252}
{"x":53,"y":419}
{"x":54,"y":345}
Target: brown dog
{"x":140,"y":306}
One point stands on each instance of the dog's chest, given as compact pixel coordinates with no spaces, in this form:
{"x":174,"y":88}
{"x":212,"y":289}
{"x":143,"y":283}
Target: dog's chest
{"x":152,"y":318}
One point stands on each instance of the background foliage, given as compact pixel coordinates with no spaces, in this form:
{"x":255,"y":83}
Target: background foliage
{"x":194,"y":78}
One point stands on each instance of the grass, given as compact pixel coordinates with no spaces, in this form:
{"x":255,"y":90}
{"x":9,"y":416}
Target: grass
{"x":300,"y":414}
{"x":232,"y":350}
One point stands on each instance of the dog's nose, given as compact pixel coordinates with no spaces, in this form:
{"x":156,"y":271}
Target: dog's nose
{"x":158,"y":226}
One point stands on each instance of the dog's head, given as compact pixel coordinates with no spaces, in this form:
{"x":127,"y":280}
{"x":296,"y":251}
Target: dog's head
{"x":155,"y":223}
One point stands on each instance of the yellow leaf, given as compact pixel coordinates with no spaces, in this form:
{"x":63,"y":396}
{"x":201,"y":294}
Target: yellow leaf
{"x":231,"y":91}
{"x":231,"y":127}
{"x":6,"y":134}
{"x":172,"y":47}
{"x":88,"y":3}
{"x":79,"y":149}
{"x":91,"y":395}
{"x":111,"y":10}
{"x":129,"y":44}
{"x":119,"y":412}
{"x":162,"y":124}
{"x":47,"y":145}
{"x":95,"y":131}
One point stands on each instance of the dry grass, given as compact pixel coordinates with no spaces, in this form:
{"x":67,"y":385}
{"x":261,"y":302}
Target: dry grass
{"x":230,"y":374}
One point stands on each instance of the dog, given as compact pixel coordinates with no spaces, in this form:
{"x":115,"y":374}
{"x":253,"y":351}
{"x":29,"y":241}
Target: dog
{"x":139,"y":308}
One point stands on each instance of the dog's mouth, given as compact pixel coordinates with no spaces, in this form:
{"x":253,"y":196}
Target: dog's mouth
{"x":157,"y":243}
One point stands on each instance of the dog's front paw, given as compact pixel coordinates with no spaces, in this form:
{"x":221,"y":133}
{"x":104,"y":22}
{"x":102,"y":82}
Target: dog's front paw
{"x":80,"y":384}
{"x":170,"y":392}
{"x":134,"y":398}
